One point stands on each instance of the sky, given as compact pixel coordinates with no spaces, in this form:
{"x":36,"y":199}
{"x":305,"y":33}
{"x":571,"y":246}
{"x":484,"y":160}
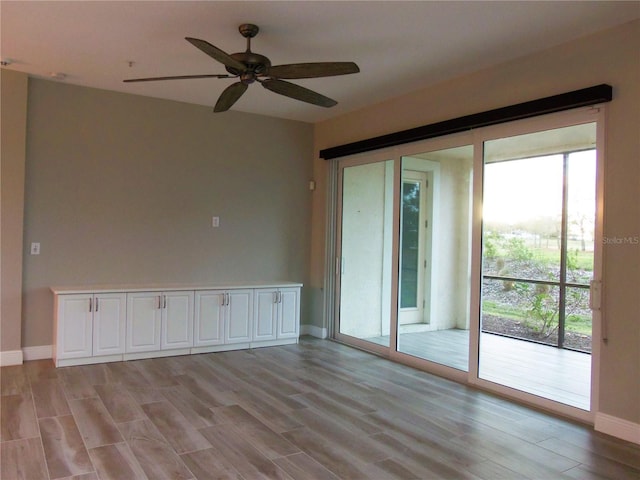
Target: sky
{"x":520,"y":190}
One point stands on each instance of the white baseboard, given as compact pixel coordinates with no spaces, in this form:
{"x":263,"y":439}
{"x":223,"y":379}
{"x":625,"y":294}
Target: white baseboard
{"x":617,"y":427}
{"x":38,"y":353}
{"x":11,"y":357}
{"x":314,"y":331}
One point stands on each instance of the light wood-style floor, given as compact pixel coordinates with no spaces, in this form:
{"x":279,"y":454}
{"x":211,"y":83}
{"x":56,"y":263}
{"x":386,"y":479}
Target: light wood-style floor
{"x":317,"y":410}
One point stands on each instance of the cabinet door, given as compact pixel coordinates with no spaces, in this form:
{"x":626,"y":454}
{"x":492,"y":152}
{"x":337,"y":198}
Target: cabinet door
{"x":144,"y":318}
{"x":75,"y":326}
{"x":209,"y":318}
{"x":109,"y":323}
{"x":239,"y":316}
{"x":177,"y":320}
{"x":265,"y":308}
{"x":289,"y":318}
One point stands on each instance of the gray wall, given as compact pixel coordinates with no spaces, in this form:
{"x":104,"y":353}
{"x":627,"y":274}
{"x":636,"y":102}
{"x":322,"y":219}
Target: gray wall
{"x":122,"y":188}
{"x":13,"y":127}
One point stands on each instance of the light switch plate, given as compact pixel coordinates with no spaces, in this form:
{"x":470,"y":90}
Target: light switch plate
{"x":215,"y":222}
{"x":35,"y":248}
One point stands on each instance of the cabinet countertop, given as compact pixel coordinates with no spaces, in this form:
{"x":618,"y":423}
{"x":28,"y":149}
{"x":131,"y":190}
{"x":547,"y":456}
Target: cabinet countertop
{"x":163,"y":287}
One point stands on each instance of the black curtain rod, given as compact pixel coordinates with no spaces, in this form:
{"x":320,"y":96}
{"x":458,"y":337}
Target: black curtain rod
{"x":556,"y":103}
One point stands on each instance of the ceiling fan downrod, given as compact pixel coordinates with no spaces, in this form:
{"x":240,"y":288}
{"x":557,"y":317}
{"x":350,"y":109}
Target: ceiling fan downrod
{"x":255,"y":63}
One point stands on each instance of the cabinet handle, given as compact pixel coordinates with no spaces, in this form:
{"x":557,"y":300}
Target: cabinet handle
{"x":159,"y":302}
{"x":275,"y":297}
{"x":164,"y":304}
{"x":91,"y":304}
{"x":97,"y":304}
{"x":279,"y":297}
{"x":228,"y":299}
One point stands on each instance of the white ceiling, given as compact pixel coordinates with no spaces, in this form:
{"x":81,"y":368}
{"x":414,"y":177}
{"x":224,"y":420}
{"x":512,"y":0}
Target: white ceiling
{"x":399,"y":46}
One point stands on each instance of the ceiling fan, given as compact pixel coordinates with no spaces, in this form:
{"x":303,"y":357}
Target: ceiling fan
{"x":252,"y":67}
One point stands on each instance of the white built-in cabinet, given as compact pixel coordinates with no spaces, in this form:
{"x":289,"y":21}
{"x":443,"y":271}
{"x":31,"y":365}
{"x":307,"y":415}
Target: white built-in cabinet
{"x":159,"y":321}
{"x":102,"y":326}
{"x":94,"y":325}
{"x":277,"y":313}
{"x":223,"y":317}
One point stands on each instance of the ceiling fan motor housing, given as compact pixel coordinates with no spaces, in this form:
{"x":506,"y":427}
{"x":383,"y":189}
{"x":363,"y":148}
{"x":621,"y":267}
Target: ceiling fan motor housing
{"x":256,"y":65}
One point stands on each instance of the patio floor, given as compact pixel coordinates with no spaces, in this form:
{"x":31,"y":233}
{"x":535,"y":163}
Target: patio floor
{"x":560,"y":375}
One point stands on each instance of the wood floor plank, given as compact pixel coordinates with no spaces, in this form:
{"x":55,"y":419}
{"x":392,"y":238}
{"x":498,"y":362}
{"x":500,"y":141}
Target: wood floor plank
{"x":283,"y":385}
{"x":63,"y":447}
{"x":421,"y":461}
{"x":75,"y":383}
{"x":523,"y":457}
{"x":116,"y":462}
{"x":583,"y":472}
{"x":49,"y":398}
{"x":155,"y":373}
{"x":126,"y":373}
{"x":22,"y":460}
{"x":195,"y":411}
{"x":280,"y":400}
{"x":40,"y":370}
{"x":82,"y":476}
{"x":154,"y":454}
{"x":338,"y":412}
{"x":242,"y":455}
{"x":98,"y":374}
{"x":14,"y":381}
{"x":180,"y":434}
{"x":17,"y":417}
{"x":592,"y":462}
{"x":332,"y":457}
{"x":357,"y":445}
{"x":217,"y":375}
{"x":205,"y":392}
{"x":144,"y":393}
{"x":210,"y":465}
{"x":119,"y":403}
{"x":266,"y":412}
{"x":269,"y":443}
{"x":603,"y":445}
{"x":391,"y":469}
{"x":360,"y":405}
{"x":94,"y":422}
{"x":490,"y":470}
{"x":301,"y":466}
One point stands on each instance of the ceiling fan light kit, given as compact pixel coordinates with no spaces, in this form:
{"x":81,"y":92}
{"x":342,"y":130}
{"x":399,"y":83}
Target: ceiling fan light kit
{"x":250,"y":67}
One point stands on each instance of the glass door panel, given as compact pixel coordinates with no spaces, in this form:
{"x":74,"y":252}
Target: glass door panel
{"x":435,"y":256}
{"x":538,"y":244}
{"x":366,"y":251}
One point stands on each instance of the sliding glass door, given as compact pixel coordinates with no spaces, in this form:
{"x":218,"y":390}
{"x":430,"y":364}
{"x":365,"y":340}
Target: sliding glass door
{"x":472,"y":256}
{"x":365,"y":253}
{"x":539,"y":214}
{"x":435,"y":256}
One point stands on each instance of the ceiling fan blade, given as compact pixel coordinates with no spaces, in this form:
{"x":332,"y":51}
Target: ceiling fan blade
{"x":175,"y":77}
{"x":299,"y":93}
{"x":217,"y":54}
{"x":312,"y":70}
{"x":230,"y":96}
